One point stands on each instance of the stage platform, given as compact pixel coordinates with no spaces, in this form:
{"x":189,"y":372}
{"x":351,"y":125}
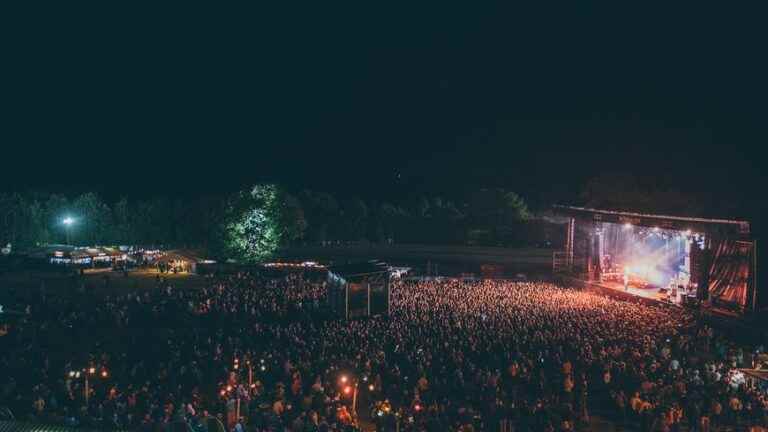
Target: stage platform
{"x":614,"y":289}
{"x":648,"y":293}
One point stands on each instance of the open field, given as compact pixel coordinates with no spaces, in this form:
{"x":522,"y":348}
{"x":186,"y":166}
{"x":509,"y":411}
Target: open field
{"x":454,"y":259}
{"x":25,"y":282}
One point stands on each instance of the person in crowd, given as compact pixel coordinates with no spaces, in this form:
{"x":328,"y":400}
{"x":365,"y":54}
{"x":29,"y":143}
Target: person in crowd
{"x":254,"y":352}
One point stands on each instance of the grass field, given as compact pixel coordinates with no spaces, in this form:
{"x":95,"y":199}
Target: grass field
{"x":22,"y":283}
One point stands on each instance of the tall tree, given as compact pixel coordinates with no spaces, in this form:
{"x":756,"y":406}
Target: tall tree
{"x":292,"y":221}
{"x":57,"y":207}
{"x":121,"y":215}
{"x":250,"y":231}
{"x":322,"y":211}
{"x":94,"y":220}
{"x":355,"y":219}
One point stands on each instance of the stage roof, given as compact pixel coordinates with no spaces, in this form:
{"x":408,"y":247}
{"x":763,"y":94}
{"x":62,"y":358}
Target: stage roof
{"x":712,"y":226}
{"x":358,"y":269}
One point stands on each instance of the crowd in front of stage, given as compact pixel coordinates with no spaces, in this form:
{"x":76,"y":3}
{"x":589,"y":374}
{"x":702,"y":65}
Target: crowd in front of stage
{"x":453,"y":356}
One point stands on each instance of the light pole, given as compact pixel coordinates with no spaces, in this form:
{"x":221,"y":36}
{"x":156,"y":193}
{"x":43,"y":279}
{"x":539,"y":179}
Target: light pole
{"x":68,"y":221}
{"x":85,"y":373}
{"x":350,"y":389}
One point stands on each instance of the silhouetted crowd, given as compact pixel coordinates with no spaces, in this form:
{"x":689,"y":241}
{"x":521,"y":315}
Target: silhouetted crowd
{"x":254,"y":352}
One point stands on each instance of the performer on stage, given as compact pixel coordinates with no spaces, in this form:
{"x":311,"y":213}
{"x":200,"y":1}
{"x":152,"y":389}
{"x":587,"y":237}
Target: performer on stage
{"x":626,"y":280}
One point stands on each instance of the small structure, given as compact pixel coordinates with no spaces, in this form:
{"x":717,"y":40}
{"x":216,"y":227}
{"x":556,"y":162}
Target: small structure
{"x":97,"y":256}
{"x":359,"y":290}
{"x":185,"y":260}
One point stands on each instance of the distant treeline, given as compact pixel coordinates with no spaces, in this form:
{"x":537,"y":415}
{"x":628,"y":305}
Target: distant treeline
{"x":487,"y":216}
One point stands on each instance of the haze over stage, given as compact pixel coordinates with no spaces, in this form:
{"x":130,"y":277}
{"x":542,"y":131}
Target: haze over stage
{"x":713,"y":259}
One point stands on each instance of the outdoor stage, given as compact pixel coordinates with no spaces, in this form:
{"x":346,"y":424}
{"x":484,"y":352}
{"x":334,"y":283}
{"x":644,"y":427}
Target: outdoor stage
{"x":669,"y":259}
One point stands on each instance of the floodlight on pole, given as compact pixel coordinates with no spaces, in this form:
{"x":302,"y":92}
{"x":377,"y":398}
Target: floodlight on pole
{"x":68,"y":221}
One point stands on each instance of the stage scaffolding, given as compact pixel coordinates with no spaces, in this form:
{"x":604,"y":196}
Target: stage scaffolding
{"x":724,"y":266}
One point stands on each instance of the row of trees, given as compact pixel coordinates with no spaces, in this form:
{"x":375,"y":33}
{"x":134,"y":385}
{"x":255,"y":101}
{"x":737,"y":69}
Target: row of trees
{"x":257,"y":222}
{"x":266,"y":215}
{"x":29,"y":219}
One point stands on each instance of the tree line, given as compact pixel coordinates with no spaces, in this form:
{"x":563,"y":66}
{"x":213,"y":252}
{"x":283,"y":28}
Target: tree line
{"x":32,"y":219}
{"x":487,"y":216}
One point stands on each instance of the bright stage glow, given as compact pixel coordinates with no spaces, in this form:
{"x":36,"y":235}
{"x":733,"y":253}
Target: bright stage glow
{"x":646,"y":256}
{"x":68,"y":220}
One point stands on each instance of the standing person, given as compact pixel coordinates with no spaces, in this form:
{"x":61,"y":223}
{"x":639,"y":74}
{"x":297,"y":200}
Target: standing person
{"x":625,"y":278}
{"x":621,"y":404}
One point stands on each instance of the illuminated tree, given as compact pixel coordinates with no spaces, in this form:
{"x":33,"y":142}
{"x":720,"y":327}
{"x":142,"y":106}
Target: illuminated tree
{"x":250,"y":231}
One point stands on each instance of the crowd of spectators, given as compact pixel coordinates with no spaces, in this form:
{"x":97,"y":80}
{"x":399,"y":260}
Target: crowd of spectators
{"x":251,"y":350}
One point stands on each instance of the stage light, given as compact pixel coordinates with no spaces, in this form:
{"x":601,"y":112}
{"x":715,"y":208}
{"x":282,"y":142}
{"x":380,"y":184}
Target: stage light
{"x":656,"y":229}
{"x":371,"y":387}
{"x":92,"y":370}
{"x":104,"y":374}
{"x":417,"y":407}
{"x":229,"y":388}
{"x":343,"y":379}
{"x":347,"y":390}
{"x":263,"y":368}
{"x":627,"y":225}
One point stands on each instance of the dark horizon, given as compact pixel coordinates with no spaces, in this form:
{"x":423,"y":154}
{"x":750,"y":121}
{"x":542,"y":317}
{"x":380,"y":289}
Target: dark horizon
{"x":380,"y":103}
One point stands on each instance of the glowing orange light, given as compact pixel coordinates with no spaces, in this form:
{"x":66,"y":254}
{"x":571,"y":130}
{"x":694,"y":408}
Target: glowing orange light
{"x":104,"y":374}
{"x":92,"y":370}
{"x":229,"y":388}
{"x":343,"y":378}
{"x":371,"y":387}
{"x":347,"y":390}
{"x":417,"y":407}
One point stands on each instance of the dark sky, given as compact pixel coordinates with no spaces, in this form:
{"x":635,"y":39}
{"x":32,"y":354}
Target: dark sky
{"x":347,"y":97}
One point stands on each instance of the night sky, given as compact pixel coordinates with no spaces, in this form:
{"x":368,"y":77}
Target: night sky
{"x":376,"y":100}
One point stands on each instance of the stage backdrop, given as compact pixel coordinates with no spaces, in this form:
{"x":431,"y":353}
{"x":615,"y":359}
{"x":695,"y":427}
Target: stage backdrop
{"x":731,"y":273}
